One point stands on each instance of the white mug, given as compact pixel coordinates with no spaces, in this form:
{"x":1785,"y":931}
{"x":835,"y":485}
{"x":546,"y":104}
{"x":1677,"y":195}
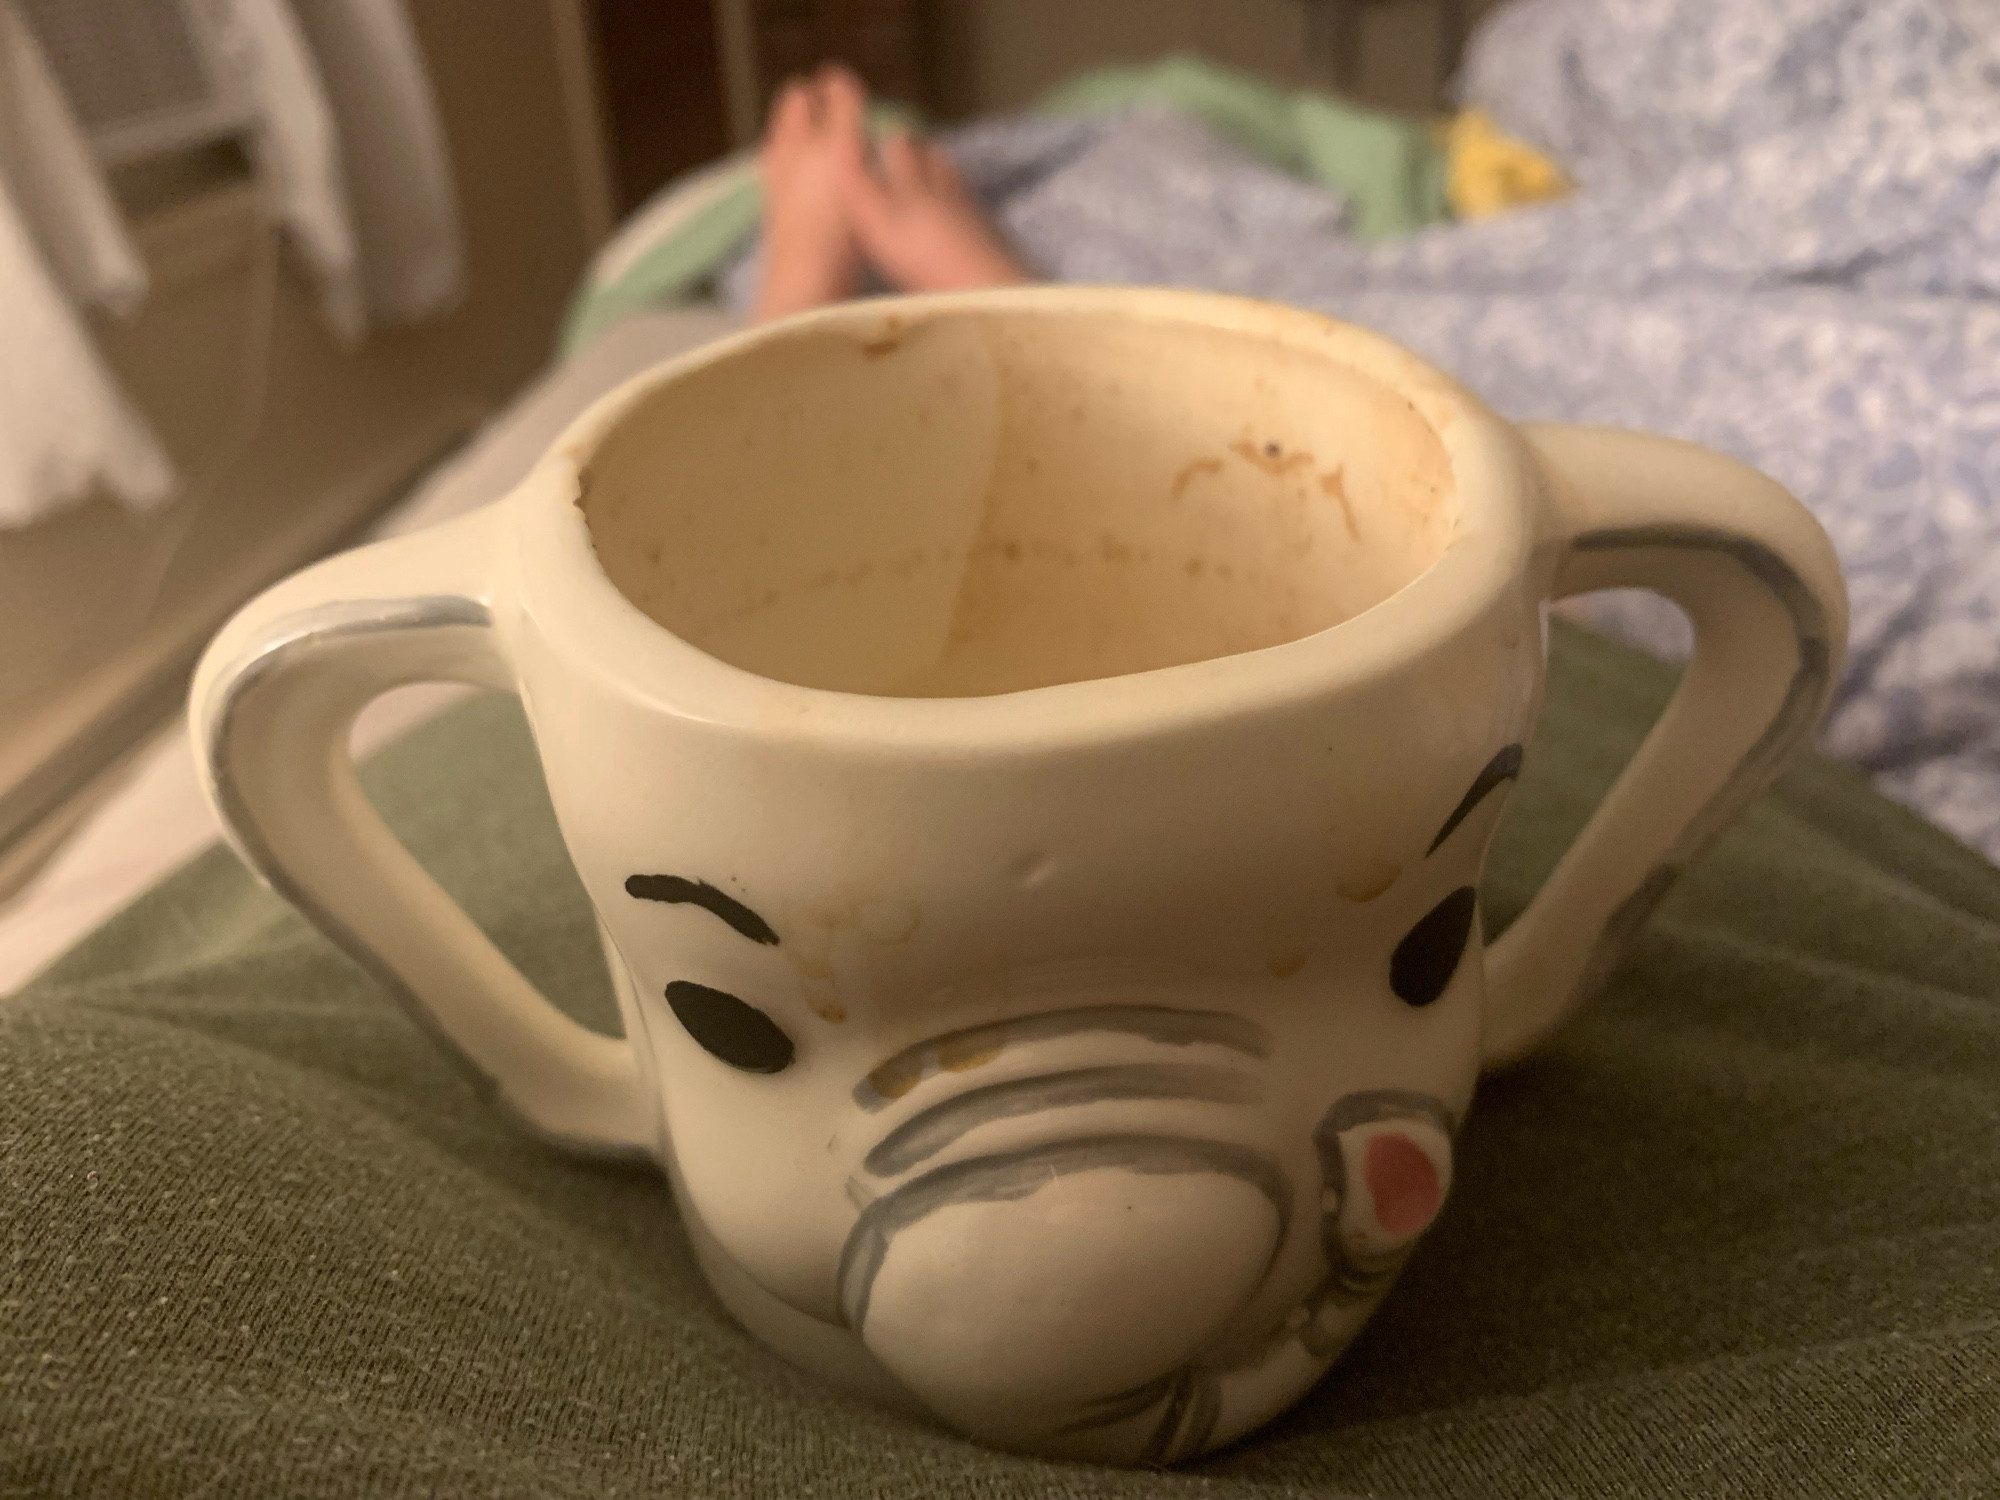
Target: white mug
{"x":1032,"y":754}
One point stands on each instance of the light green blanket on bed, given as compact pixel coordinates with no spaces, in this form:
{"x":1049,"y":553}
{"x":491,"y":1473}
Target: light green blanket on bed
{"x":1736,"y":1233}
{"x":1390,"y":170}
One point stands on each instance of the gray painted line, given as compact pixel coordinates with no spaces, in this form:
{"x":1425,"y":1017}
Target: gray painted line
{"x":1157,"y":1023}
{"x":923,"y":1135}
{"x":1622,"y":926}
{"x":1014,"y":1175}
{"x":1159,"y":1447}
{"x":1356,"y":1278}
{"x":1805,"y":696}
{"x":284,"y":644}
{"x":1120,"y":1406}
{"x":1200,"y":1430}
{"x":1198,"y":1416}
{"x":1367,"y":1106}
{"x":1192,"y":1398}
{"x":1315,"y":1343}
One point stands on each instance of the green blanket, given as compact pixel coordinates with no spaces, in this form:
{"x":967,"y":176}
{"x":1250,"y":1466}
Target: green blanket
{"x":1737,"y":1233}
{"x":1390,"y":169}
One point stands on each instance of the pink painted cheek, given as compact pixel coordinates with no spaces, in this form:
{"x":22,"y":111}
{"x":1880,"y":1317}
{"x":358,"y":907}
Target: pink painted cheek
{"x":1403,"y":1183}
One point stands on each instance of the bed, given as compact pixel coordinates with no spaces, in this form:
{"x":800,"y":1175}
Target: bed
{"x":1733,"y":1233}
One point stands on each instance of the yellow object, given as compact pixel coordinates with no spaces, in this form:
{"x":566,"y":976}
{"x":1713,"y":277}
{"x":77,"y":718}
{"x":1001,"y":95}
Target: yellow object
{"x":1488,"y":172}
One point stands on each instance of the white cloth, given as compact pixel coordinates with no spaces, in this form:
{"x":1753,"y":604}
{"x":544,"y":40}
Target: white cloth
{"x":398,"y":165}
{"x":65,"y":427}
{"x":296,"y":148}
{"x":347,"y":137}
{"x":57,"y":187}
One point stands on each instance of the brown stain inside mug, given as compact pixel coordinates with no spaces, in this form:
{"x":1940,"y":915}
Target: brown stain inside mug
{"x":1334,"y":483}
{"x":1285,"y":965}
{"x":1194,"y":470}
{"x":1271,"y":457}
{"x":1049,"y":559}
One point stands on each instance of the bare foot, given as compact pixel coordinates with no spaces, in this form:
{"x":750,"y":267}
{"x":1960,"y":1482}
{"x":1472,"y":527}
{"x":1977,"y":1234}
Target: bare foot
{"x":917,"y":222}
{"x":813,"y":144}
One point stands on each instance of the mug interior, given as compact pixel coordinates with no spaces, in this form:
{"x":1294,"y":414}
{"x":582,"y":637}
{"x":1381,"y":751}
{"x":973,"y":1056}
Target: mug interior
{"x":961,"y":501}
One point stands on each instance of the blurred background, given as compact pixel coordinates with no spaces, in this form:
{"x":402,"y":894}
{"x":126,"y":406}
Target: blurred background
{"x":275,"y":259}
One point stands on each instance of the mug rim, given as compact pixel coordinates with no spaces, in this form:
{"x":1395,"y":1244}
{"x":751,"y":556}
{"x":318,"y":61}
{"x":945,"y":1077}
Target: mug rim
{"x":565,"y":591}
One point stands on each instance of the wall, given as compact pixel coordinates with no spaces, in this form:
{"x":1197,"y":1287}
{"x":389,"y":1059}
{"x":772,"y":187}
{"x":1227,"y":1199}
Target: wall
{"x":1000,"y":54}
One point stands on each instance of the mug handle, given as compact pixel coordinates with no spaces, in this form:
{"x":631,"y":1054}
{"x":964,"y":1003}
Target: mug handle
{"x":1758,"y":578}
{"x":271,"y":708}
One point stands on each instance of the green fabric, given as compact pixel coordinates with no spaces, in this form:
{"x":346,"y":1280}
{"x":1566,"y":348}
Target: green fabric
{"x":1390,"y":169}
{"x":684,"y":254}
{"x":1736,"y":1233}
{"x":702,"y":220}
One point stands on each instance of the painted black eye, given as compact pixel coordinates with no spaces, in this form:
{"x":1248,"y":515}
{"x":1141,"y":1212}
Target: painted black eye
{"x":1428,"y":955}
{"x":741,"y":1035}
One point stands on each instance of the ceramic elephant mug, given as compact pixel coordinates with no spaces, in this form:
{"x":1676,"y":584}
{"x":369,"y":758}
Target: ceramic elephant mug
{"x":1031,"y":754}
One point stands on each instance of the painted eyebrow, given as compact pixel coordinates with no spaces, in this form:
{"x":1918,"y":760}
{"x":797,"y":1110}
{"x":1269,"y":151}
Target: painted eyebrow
{"x":1505,"y":766}
{"x":677,"y":891}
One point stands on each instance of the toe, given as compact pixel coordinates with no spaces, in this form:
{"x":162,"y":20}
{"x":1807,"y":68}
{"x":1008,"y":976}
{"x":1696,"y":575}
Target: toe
{"x":902,"y":163}
{"x":846,"y":118}
{"x":818,"y":98}
{"x":846,"y":94}
{"x":791,"y":114}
